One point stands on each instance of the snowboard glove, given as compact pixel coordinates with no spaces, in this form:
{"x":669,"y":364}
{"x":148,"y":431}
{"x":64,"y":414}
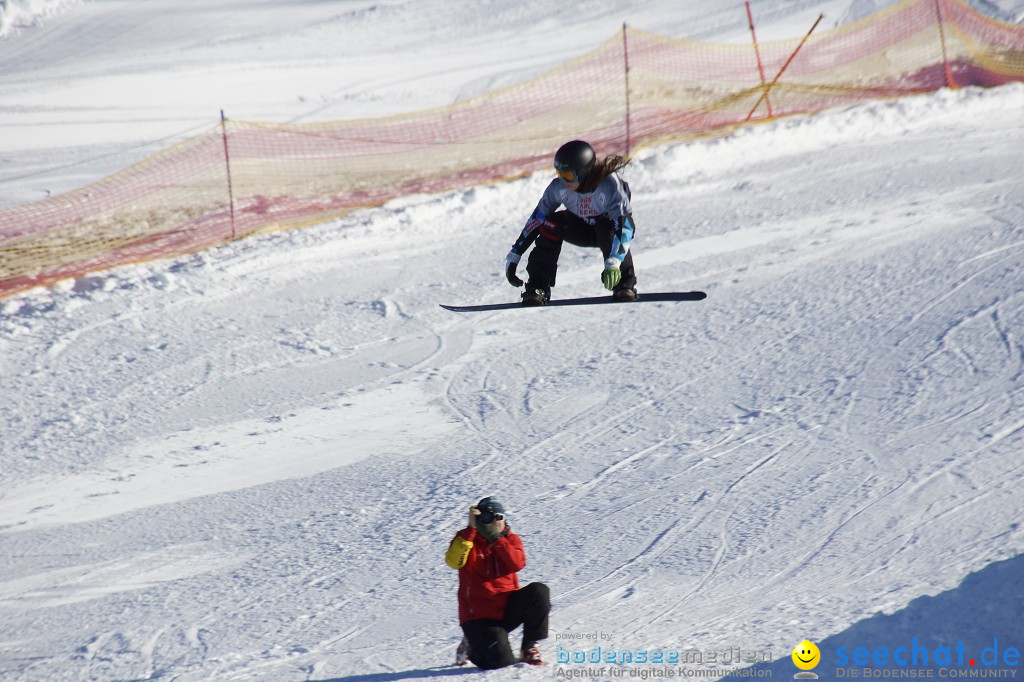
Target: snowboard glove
{"x":511,"y":262}
{"x":611,"y":277}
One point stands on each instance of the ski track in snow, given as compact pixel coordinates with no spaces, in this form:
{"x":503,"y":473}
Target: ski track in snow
{"x":247,"y":463}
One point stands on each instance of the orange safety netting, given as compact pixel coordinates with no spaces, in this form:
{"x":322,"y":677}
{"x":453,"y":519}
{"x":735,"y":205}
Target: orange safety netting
{"x":638,"y":89}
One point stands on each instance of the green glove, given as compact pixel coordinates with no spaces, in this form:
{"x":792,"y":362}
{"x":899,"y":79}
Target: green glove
{"x":610,"y":278}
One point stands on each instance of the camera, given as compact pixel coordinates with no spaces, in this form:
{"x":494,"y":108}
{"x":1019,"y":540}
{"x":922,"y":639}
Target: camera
{"x":490,"y":511}
{"x":490,"y":517}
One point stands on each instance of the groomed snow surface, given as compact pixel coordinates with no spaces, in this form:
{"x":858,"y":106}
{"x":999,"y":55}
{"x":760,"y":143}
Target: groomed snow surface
{"x":247,"y":464}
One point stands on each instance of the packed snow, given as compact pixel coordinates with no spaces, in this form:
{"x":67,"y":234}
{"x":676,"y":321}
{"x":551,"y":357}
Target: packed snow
{"x":247,"y":464}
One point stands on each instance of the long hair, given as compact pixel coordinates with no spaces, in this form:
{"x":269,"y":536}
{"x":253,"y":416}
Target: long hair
{"x":602,"y":169}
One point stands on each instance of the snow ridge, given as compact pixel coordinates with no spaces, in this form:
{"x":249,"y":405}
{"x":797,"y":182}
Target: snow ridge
{"x":18,"y":14}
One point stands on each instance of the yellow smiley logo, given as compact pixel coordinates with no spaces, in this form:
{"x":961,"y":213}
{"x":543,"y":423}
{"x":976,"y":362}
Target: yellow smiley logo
{"x":806,"y":655}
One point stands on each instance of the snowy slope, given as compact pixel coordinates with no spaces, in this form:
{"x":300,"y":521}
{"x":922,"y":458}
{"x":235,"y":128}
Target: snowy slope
{"x":247,"y":464}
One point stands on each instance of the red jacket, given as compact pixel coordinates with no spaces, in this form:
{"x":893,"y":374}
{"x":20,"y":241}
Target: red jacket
{"x":487,"y":572}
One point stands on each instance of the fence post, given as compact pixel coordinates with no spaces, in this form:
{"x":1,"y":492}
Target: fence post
{"x":760,"y":66}
{"x":227,"y":164}
{"x":625,"y":57}
{"x":785,"y":66}
{"x":950,"y":82}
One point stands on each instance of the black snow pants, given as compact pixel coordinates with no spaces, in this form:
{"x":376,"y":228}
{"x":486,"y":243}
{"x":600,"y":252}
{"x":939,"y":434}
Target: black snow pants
{"x":565,"y":226}
{"x":488,"y":639}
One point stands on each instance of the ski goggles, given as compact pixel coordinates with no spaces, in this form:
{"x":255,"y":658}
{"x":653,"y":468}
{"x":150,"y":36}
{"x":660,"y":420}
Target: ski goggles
{"x":490,"y":517}
{"x":566,"y":173}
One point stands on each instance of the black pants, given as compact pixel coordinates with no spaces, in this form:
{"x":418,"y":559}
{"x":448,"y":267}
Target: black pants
{"x":488,"y":638}
{"x":543,"y":262}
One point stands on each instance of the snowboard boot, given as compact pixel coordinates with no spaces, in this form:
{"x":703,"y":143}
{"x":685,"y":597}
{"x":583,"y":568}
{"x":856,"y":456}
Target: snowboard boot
{"x":462,"y":653}
{"x":535,"y":296}
{"x":624,"y":295}
{"x":531,"y":655}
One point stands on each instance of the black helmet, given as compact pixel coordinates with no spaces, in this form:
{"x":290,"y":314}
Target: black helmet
{"x":574,"y":161}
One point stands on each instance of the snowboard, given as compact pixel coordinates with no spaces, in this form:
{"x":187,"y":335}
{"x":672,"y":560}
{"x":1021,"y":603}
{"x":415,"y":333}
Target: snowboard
{"x":589,"y":300}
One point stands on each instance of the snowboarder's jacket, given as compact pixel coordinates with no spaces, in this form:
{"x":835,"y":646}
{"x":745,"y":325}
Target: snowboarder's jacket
{"x":487,"y":572}
{"x":610,"y":200}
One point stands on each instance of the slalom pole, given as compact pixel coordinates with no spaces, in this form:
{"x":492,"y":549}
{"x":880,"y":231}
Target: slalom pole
{"x":227,"y":164}
{"x":785,"y":66}
{"x":760,"y":66}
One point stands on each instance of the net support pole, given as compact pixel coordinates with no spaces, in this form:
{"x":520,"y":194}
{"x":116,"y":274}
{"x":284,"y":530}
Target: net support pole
{"x":625,"y":58}
{"x":227,"y":165}
{"x":764,"y":95}
{"x":760,"y":65}
{"x":947,"y":68}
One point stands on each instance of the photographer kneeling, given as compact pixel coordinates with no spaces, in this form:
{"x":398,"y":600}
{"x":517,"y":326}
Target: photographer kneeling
{"x":487,"y":555}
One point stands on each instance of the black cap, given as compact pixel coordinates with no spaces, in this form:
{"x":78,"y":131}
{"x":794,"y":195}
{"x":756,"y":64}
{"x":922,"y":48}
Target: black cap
{"x":489,"y":504}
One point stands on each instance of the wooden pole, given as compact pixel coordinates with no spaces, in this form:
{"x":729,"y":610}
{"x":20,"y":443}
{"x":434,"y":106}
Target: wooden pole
{"x":625,"y":57}
{"x":757,"y":53}
{"x":950,"y":82}
{"x":785,"y":66}
{"x":227,"y":164}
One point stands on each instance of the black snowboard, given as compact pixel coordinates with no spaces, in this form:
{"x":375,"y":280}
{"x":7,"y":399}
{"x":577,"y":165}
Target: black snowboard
{"x":591,"y":300}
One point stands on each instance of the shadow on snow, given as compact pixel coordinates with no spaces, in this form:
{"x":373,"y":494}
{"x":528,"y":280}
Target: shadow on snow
{"x":984,"y":610}
{"x":437,"y":672}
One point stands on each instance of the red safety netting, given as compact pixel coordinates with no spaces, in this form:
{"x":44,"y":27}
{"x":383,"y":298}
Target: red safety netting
{"x":638,"y":89}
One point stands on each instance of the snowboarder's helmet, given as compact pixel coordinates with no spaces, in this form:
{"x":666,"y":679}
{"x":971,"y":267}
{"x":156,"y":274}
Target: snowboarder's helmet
{"x":490,"y":510}
{"x":574,"y":161}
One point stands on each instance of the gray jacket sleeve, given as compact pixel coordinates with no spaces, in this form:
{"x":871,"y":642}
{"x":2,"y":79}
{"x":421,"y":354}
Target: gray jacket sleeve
{"x":548,"y":204}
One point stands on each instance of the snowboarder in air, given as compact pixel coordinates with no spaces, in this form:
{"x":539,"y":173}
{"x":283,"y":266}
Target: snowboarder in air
{"x":597,"y":214}
{"x":487,"y":555}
